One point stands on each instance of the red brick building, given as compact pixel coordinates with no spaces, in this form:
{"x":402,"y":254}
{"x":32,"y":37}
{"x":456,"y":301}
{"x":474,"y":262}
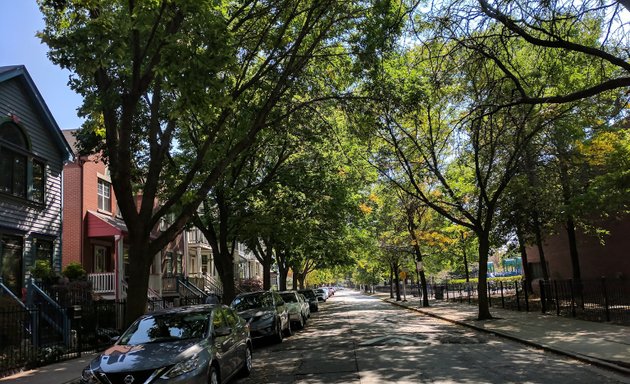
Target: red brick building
{"x":610,"y":259}
{"x":94,"y":234}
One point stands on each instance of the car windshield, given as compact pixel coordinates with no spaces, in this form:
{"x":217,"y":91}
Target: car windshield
{"x":243,"y":303}
{"x":289,"y":297}
{"x":308,"y":293}
{"x":166,"y":327}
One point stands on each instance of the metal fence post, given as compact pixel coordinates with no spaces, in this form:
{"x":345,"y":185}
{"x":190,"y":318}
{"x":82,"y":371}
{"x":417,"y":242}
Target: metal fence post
{"x":543,"y":304}
{"x":489,"y":294}
{"x":502,"y":297}
{"x":572,"y":297}
{"x":555,"y":288}
{"x":606,"y":303}
{"x":526,"y":292}
{"x":518,"y":299}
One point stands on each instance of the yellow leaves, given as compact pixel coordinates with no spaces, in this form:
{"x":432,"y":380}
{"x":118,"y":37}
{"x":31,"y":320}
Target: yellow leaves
{"x":375,"y":198}
{"x":600,"y":148}
{"x":435,"y":239}
{"x":364,"y":208}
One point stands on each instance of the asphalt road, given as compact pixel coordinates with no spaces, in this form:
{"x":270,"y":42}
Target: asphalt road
{"x":360,"y":339}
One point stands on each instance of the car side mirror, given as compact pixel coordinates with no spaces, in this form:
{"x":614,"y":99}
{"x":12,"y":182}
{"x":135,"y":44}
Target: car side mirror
{"x":222,"y":331}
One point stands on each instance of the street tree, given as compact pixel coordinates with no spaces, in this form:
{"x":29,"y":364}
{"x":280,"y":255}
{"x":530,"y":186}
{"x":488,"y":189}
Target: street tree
{"x":157,"y":74}
{"x":556,"y":33}
{"x":444,"y":142}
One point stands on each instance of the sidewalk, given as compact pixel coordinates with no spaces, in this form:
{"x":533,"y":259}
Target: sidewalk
{"x":65,"y":372}
{"x":601,"y":344}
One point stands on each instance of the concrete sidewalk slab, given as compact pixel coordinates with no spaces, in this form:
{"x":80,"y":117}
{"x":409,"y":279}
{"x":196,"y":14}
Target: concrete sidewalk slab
{"x":64,"y":372}
{"x":602,"y":344}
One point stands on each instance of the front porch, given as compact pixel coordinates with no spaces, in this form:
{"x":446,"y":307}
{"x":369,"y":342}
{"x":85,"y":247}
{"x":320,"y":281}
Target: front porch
{"x":199,"y":285}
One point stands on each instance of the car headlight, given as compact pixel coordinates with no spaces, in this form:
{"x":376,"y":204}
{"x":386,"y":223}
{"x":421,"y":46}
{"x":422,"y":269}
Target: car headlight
{"x":182,"y":367}
{"x":87,"y":376}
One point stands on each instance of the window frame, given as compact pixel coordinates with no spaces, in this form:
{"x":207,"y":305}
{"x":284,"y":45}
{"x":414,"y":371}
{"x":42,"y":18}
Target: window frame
{"x":32,"y":189}
{"x":102,"y":199}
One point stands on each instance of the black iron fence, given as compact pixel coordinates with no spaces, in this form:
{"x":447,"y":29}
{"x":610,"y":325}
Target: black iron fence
{"x":30,"y":338}
{"x":606,"y":300}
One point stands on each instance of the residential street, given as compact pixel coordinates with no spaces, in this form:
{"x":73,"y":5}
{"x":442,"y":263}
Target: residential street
{"x":361,"y":339}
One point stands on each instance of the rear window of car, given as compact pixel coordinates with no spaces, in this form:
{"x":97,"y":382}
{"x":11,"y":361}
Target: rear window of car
{"x":289,"y":297}
{"x":308,"y":293}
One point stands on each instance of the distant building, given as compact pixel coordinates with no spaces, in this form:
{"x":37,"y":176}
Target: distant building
{"x":32,"y":153}
{"x":610,"y":259}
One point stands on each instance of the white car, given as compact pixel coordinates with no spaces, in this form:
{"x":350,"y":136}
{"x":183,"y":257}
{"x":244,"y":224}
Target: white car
{"x":321,"y":293}
{"x":298,"y":308}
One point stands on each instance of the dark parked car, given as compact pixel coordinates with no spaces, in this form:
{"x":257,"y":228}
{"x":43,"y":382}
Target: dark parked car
{"x":310,"y":295}
{"x":266,"y":313}
{"x":192,"y":345}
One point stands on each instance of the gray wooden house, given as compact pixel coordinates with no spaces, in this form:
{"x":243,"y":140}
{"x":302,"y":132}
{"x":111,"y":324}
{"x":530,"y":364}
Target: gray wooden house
{"x":32,"y":153}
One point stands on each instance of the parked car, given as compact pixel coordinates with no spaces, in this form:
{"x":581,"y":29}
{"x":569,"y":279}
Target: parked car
{"x":194,"y":344}
{"x":297,"y":306}
{"x":266,"y":313}
{"x":322,"y":294}
{"x":311,"y":297}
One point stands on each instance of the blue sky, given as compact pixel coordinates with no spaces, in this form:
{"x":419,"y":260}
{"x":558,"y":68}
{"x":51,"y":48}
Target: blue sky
{"x":21,"y":19}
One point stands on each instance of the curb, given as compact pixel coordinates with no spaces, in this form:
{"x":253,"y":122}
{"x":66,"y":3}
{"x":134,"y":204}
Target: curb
{"x":585,"y":359}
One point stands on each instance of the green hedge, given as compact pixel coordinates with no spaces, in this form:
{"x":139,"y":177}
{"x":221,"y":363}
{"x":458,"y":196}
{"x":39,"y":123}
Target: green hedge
{"x":505,"y":279}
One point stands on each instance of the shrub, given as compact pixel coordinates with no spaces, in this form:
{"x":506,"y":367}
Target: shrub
{"x":250,"y":285}
{"x":74,"y":271}
{"x":42,"y":270}
{"x":505,"y":279}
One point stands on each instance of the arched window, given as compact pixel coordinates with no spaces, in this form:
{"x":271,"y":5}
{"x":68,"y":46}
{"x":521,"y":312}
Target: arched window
{"x":20,"y":174}
{"x":11,"y":133}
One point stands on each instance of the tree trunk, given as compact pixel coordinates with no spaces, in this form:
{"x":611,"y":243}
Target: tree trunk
{"x":539,"y":245}
{"x":138,"y":283}
{"x":225,"y":268}
{"x":482,"y":287}
{"x":570,"y":224}
{"x":301,"y":280}
{"x":295,"y":281}
{"x":284,"y":273}
{"x":523,"y":251}
{"x":391,"y":281}
{"x":465,"y":259}
{"x":421,"y":277}
{"x":397,"y":280}
{"x":425,"y":291}
{"x":573,"y":251}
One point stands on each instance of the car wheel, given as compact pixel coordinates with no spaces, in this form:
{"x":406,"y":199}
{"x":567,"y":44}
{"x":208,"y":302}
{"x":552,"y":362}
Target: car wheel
{"x":279,"y":335}
{"x":213,"y":376}
{"x":289,"y":331}
{"x":247,"y":362}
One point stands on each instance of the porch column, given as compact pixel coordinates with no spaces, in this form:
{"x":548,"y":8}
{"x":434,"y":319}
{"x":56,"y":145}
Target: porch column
{"x":199,"y":260}
{"x":118,"y":266}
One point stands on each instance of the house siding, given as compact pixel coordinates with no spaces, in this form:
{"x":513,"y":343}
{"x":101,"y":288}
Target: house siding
{"x":30,"y":219}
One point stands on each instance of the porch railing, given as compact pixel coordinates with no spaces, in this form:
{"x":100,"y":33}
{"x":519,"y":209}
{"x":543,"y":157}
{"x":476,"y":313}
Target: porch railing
{"x":102,"y":282}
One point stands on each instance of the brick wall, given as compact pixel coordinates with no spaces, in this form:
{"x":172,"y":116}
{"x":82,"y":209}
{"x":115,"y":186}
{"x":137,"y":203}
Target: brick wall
{"x":611,"y":259}
{"x":72,"y":214}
